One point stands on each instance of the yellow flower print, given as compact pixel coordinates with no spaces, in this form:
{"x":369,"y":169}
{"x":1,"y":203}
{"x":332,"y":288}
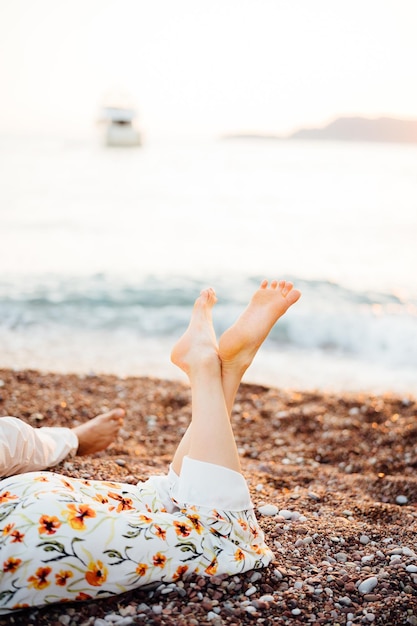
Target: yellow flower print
{"x":96,"y":574}
{"x":11,"y":564}
{"x":141,"y":569}
{"x":160,"y":532}
{"x":182,"y":529}
{"x":239,"y":555}
{"x":195,"y":520}
{"x":39,"y":580}
{"x":7,"y":529}
{"x":67,"y":484}
{"x":159,"y":560}
{"x":125,"y":504}
{"x":254,"y":531}
{"x":76,"y":515}
{"x":212,"y":568}
{"x":62,"y":577}
{"x":145,"y":518}
{"x":48,"y":524}
{"x":100,"y":498}
{"x":243,"y":523}
{"x":180,"y":571}
{"x":6,"y":496}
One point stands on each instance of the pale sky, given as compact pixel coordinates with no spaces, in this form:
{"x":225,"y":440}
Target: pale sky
{"x":206,"y":66}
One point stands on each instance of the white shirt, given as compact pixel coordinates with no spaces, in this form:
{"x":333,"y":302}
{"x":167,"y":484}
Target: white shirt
{"x":27,"y":449}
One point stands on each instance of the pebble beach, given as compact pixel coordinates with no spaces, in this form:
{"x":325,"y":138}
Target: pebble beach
{"x":332,"y":478}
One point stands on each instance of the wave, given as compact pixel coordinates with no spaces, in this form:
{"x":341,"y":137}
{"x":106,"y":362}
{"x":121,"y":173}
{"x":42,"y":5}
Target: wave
{"x":330,"y":317}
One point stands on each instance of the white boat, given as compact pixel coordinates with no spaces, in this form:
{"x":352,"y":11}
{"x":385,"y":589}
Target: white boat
{"x":120,"y":129}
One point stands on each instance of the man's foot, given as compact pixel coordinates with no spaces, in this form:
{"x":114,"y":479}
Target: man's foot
{"x":99,"y":432}
{"x":198,"y":343}
{"x":239,"y":344}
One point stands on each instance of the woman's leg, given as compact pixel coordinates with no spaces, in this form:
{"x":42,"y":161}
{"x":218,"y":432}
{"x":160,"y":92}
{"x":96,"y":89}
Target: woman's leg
{"x":239,"y":344}
{"x":211,"y":437}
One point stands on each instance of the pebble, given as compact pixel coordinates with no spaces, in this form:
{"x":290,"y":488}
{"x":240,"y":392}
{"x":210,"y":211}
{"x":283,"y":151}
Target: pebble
{"x":266,"y":598}
{"x":251,"y":591}
{"x":411,"y":568}
{"x":268,"y":509}
{"x":368,"y":584}
{"x":213,"y":616}
{"x":286,"y":514}
{"x":401,"y":500}
{"x":364,"y":539}
{"x":296,"y":611}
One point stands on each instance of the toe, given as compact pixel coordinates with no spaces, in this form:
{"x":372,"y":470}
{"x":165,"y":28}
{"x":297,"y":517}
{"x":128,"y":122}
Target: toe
{"x":287,"y":288}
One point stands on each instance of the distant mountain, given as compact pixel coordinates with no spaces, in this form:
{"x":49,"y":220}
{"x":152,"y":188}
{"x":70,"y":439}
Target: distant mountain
{"x":363,"y":129}
{"x":387,"y":129}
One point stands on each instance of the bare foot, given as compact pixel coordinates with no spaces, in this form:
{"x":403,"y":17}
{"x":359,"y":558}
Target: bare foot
{"x":239,"y":344}
{"x":198,"y":343}
{"x":99,"y":432}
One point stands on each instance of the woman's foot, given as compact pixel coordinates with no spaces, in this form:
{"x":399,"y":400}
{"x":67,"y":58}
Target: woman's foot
{"x":239,"y":344}
{"x":198,"y":344}
{"x":99,"y":432}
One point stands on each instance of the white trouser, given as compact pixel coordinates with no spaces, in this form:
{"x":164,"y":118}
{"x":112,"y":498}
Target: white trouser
{"x":27,"y":449}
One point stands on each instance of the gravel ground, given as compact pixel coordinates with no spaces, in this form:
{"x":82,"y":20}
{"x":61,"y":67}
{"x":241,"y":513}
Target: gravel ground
{"x":333,"y":478}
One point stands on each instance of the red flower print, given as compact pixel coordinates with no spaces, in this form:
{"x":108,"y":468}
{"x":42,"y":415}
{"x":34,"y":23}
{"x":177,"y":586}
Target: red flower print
{"x":6,"y":496}
{"x":11,"y":565}
{"x":125,"y":504}
{"x":83,"y":596}
{"x":182,"y":529}
{"x":62,"y":577}
{"x":160,"y":532}
{"x":76,"y":515}
{"x":180,"y":571}
{"x":48,"y":524}
{"x":39,"y":580}
{"x":195,"y":520}
{"x":159,"y":560}
{"x":17,"y":536}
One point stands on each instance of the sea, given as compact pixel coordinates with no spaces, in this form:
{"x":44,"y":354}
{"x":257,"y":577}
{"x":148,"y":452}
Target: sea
{"x":103,"y":251}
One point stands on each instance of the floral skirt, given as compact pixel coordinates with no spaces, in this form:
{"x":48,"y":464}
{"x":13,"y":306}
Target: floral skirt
{"x":65,"y":539}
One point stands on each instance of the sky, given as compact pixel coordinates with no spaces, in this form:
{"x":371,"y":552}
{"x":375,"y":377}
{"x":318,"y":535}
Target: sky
{"x":197,"y":67}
